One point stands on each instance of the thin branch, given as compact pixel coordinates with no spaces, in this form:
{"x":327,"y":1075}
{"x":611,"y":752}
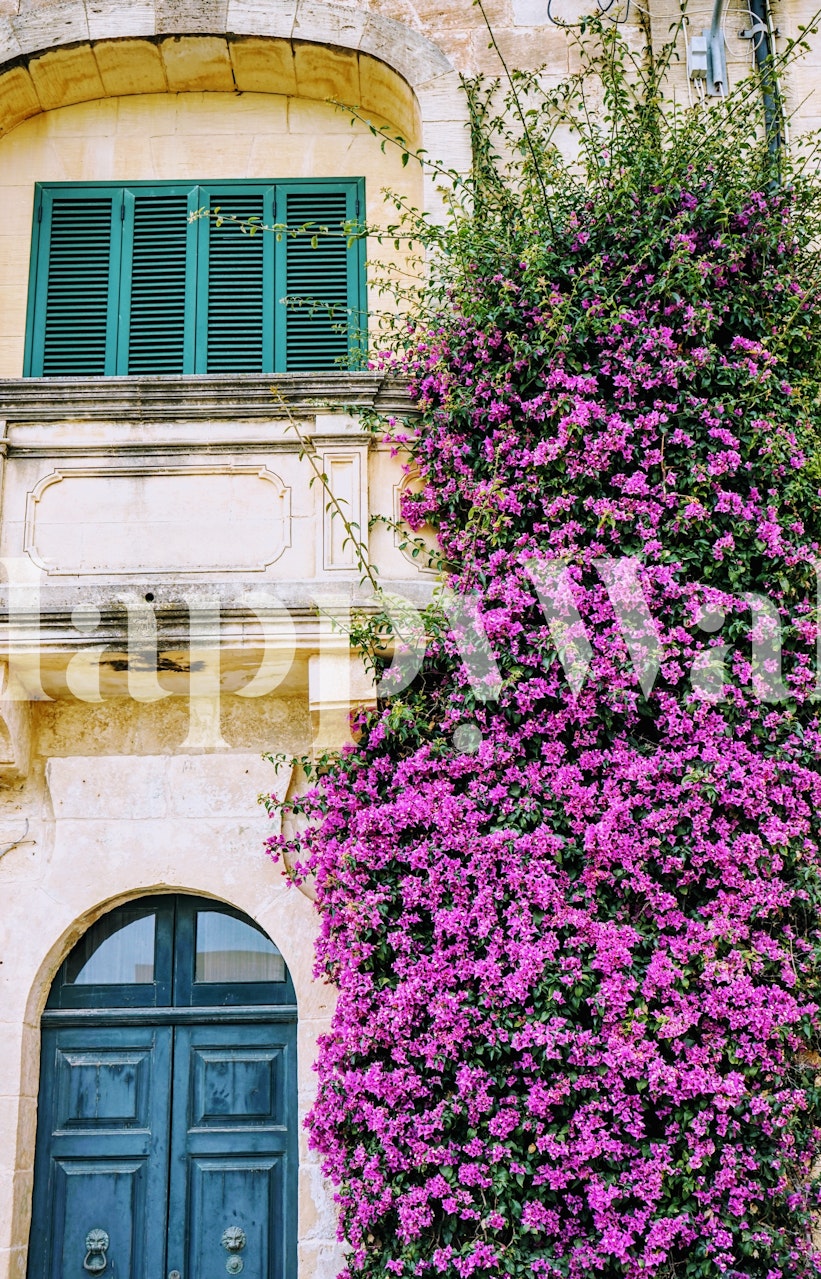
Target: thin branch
{"x":366,"y":568}
{"x":537,"y":168}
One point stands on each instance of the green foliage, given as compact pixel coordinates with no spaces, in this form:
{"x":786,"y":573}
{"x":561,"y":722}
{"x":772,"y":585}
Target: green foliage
{"x":574,"y":928}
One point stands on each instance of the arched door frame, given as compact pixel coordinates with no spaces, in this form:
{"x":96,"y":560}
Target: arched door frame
{"x":232,"y":1015}
{"x":57,"y":916}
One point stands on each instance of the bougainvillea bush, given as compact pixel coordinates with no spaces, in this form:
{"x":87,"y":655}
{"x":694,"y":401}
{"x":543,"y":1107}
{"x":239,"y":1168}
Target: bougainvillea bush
{"x":571,"y":907}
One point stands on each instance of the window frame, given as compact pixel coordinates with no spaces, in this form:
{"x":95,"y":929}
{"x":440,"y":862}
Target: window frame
{"x":201,"y":194}
{"x":174,"y":985}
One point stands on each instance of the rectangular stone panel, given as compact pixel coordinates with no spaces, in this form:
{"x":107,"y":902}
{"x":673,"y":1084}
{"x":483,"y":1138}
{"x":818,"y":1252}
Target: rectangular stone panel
{"x":131,"y":788}
{"x":164,"y":519}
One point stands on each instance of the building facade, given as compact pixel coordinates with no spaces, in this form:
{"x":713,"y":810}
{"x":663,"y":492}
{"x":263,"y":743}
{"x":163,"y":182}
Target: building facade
{"x":171,"y":570}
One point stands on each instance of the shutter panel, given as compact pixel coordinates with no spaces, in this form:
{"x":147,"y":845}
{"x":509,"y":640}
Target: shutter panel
{"x":316,"y":332}
{"x":123,"y":283}
{"x":239,"y":291}
{"x":74,"y":305}
{"x":157,"y":273}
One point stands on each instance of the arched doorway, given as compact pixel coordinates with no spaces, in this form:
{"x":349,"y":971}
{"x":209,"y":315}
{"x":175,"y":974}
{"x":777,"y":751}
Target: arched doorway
{"x":167,"y":1135}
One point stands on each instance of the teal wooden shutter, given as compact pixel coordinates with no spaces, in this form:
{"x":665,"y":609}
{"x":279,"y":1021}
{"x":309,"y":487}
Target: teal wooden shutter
{"x":122,"y":282}
{"x":321,"y":277}
{"x":236,"y":293}
{"x":74,"y":330}
{"x":157,"y":286}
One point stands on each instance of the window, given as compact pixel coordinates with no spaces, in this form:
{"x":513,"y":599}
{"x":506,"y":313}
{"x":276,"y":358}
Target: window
{"x":119,"y":952}
{"x":122,"y":282}
{"x":228,"y":950}
{"x":172,"y":951}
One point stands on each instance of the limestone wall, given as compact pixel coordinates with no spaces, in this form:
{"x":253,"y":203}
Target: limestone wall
{"x":113,"y":809}
{"x":118,"y":778}
{"x":109,"y":797}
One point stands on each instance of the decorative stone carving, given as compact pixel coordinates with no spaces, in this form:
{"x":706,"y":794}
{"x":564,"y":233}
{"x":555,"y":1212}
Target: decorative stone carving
{"x":345,"y":470}
{"x":406,"y":540}
{"x":15,"y":728}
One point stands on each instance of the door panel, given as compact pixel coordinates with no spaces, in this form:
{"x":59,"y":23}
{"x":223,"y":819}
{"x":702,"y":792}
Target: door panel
{"x":102,"y":1156}
{"x":233,"y":1150}
{"x":235,"y":1192}
{"x":103,"y":1090}
{"x":239,"y":1085}
{"x":100,"y":1193}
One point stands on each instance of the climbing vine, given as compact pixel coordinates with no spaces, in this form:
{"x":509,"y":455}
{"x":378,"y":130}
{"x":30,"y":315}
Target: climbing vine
{"x":568,"y":878}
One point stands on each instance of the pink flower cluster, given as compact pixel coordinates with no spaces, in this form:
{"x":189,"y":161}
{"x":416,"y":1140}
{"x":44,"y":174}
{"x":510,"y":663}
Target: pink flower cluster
{"x":577,"y":967}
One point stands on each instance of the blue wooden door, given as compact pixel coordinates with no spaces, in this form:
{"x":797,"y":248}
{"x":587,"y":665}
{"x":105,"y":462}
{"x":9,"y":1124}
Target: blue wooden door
{"x":232,"y":1149}
{"x":102,"y":1162}
{"x":167,"y":1139}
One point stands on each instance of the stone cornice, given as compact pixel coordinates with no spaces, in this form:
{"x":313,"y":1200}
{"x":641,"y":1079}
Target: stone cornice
{"x":200,"y":397}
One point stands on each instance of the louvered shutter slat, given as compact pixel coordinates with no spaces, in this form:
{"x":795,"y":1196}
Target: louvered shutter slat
{"x":236,"y":289}
{"x":156,"y":337}
{"x":316,"y":329}
{"x":75,"y":323}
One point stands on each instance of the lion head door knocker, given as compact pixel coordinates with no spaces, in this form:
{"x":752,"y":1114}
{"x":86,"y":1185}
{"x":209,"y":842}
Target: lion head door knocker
{"x":97,"y":1244}
{"x":233,"y":1241}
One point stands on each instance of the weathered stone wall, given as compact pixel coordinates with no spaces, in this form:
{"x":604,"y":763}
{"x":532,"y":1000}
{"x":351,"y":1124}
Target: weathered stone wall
{"x":103,"y":801}
{"x":116,"y":781}
{"x":113,"y":809}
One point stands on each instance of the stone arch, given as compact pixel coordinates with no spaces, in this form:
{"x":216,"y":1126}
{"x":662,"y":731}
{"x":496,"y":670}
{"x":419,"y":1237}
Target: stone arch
{"x":105,"y":859}
{"x":80,"y":50}
{"x":62,"y":946}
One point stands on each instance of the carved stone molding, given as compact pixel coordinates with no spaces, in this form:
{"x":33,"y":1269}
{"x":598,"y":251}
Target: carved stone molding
{"x":15,"y":729}
{"x":199,"y":397}
{"x":406,"y":541}
{"x":249,"y":505}
{"x":346,"y":472}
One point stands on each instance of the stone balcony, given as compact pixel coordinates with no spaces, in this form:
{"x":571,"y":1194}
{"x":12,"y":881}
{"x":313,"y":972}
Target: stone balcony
{"x":169,"y":535}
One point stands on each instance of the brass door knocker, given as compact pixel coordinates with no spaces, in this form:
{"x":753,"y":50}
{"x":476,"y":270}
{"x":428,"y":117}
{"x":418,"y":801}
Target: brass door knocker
{"x":233,"y":1241}
{"x":97,"y":1244}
